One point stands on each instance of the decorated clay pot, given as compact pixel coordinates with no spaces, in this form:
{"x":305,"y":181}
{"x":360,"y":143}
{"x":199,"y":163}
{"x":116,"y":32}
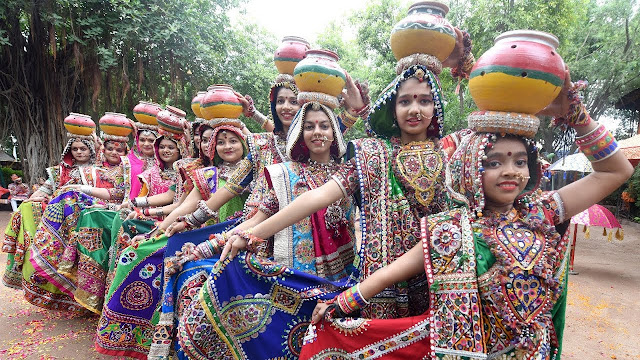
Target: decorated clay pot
{"x":220,"y":102}
{"x":319,"y":72}
{"x":146,"y":112}
{"x":424,"y":30}
{"x":195,"y":103}
{"x":521,"y":73}
{"x":290,"y":53}
{"x":171,"y":119}
{"x":79,"y":124}
{"x":115,"y":124}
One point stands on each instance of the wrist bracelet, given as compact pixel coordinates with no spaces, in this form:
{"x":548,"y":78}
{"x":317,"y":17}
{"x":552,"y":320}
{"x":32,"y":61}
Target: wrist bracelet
{"x":351,"y":300}
{"x":141,"y":201}
{"x":347,"y":119}
{"x":598,"y":145}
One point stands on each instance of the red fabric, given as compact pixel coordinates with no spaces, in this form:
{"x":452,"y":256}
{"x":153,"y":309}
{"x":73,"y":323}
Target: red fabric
{"x":373,"y":337}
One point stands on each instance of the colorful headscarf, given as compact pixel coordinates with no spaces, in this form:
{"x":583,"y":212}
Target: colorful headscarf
{"x":465,"y":169}
{"x":282,"y":81}
{"x":232,"y":125}
{"x":297,"y":150}
{"x":178,"y":139}
{"x":381,"y":122}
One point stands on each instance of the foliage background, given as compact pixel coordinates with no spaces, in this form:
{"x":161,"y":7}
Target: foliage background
{"x":93,"y":56}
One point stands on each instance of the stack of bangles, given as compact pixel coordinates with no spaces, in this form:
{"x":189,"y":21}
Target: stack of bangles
{"x":207,"y":249}
{"x":348,"y":119}
{"x":598,"y":144}
{"x":255,"y":115}
{"x":347,"y":302}
{"x":140,"y":202}
{"x":147,"y":212}
{"x":200,"y":216}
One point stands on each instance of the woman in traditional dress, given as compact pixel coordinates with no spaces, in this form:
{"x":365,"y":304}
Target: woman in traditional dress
{"x":85,"y":264}
{"x":497,"y":267}
{"x":280,"y":281}
{"x":76,"y":167}
{"x":128,"y":318}
{"x":396,"y":176}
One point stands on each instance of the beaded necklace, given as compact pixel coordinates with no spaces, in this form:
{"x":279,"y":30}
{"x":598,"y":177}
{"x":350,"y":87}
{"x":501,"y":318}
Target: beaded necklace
{"x":525,"y":287}
{"x":419,"y":166}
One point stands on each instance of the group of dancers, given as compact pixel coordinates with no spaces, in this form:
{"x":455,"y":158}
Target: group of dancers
{"x":218,"y":243}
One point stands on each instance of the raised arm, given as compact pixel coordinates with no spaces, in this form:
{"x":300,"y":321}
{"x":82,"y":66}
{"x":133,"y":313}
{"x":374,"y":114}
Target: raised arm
{"x":402,"y":269}
{"x":610,"y":167}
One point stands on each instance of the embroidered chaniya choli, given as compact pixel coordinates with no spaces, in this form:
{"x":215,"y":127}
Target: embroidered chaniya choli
{"x":131,"y":312}
{"x":311,"y":260}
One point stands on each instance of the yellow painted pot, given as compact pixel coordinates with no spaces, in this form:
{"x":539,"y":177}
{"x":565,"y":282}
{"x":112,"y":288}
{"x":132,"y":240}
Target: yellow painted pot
{"x":115,"y":124}
{"x":220,"y":102}
{"x":521,"y":73}
{"x":146,"y":112}
{"x":195,"y":103}
{"x":319,"y":72}
{"x":290,"y":53}
{"x":424,"y":30}
{"x":79,"y":124}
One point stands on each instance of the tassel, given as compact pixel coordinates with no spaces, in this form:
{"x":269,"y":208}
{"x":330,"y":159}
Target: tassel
{"x":604,"y":231}
{"x":587,"y":233}
{"x":620,"y":234}
{"x":609,"y":235}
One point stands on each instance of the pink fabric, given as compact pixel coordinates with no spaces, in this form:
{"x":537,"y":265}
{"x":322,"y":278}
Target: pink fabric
{"x":324,"y":241}
{"x":136,"y":168}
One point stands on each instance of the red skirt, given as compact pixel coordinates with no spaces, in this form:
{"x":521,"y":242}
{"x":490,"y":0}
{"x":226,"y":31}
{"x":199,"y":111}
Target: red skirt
{"x":355,"y":338}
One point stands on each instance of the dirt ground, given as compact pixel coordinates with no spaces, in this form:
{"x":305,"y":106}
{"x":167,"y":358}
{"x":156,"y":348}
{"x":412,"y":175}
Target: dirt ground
{"x":603,"y":311}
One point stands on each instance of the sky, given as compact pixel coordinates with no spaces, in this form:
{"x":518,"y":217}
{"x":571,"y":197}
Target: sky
{"x":304,"y":18}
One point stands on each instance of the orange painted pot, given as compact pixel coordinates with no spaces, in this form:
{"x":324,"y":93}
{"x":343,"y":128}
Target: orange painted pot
{"x":171,"y":120}
{"x":146,"y":112}
{"x":424,"y":30}
{"x":115,"y":124}
{"x":290,"y":52}
{"x":320,"y":72}
{"x":79,"y":124}
{"x":521,"y":73}
{"x":195,"y":103}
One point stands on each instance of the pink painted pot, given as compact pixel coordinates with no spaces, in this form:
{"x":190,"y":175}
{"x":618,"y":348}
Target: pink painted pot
{"x":290,"y":52}
{"x":115,"y":124}
{"x":146,"y":112}
{"x":79,"y":124}
{"x":171,"y":120}
{"x":521,"y":73}
{"x":220,"y":102}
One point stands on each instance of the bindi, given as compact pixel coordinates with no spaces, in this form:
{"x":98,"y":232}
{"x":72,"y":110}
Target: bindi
{"x":509,"y":153}
{"x":415,"y":96}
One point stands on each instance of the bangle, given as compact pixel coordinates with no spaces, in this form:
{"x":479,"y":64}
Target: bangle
{"x":141,"y":201}
{"x":201,"y":215}
{"x":598,"y":145}
{"x":364,"y":112}
{"x":347,"y":119}
{"x":351,"y":299}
